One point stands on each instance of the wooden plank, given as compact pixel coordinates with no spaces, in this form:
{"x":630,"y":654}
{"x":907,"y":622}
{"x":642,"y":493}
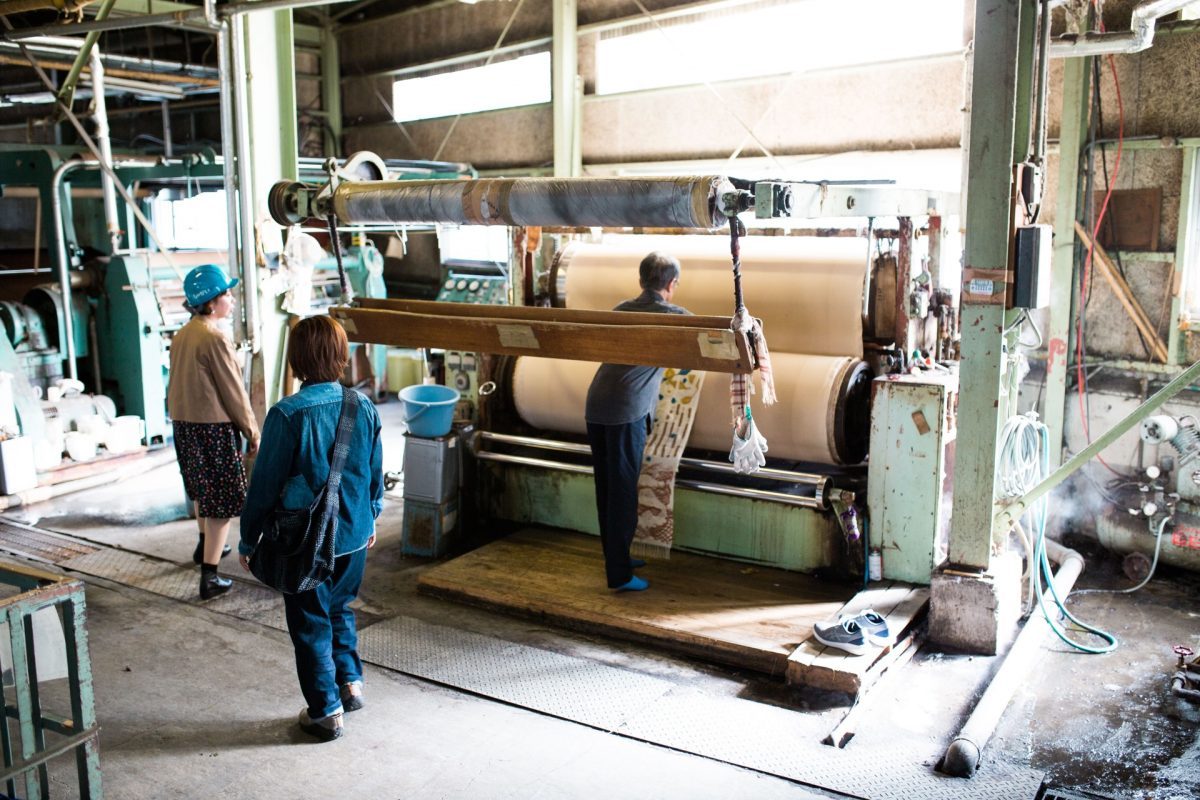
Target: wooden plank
{"x":900,"y":655}
{"x":712,"y":609}
{"x":814,"y":664}
{"x":713,"y":350}
{"x":1125,"y":295}
{"x":1132,"y":220}
{"x":542,"y":314}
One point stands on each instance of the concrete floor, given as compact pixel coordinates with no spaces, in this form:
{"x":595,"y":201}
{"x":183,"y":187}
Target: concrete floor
{"x":194,"y":703}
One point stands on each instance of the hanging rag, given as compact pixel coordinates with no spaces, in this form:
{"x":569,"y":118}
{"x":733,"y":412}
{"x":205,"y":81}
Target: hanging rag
{"x":749,"y":448}
{"x":678,"y":400}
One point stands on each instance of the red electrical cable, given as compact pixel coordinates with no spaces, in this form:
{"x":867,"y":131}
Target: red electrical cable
{"x":1085,"y":278}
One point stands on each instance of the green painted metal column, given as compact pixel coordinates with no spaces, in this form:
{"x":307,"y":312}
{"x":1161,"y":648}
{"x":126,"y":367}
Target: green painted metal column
{"x":331,"y":91}
{"x":1185,"y":247}
{"x":564,"y":56}
{"x":270,"y":154}
{"x":1060,"y":337}
{"x":994,"y":93}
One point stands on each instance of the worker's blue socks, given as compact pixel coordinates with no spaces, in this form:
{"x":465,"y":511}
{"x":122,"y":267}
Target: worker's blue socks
{"x":634,"y":584}
{"x":637,"y":562}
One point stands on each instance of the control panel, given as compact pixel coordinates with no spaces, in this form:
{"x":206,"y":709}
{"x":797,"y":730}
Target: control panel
{"x":483,"y":289}
{"x":462,"y":369}
{"x":462,"y":373}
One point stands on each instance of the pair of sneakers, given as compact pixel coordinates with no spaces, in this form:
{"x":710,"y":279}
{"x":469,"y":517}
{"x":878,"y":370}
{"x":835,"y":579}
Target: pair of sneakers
{"x":854,"y":635}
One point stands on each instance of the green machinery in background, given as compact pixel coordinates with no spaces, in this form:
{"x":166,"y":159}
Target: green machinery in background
{"x":126,"y":306}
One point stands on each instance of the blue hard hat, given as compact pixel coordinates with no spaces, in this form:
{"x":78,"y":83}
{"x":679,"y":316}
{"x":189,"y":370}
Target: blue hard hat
{"x":204,"y":283}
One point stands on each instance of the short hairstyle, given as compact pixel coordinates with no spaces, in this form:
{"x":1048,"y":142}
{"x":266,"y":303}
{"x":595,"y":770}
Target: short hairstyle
{"x":318,"y":350}
{"x":657,"y":270}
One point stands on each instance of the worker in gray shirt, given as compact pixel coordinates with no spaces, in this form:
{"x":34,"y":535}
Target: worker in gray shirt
{"x":619,"y":412}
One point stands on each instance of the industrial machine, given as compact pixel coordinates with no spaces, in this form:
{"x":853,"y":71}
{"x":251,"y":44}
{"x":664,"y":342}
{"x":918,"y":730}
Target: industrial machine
{"x":851,"y":312}
{"x":73,"y":305}
{"x":1156,"y":518}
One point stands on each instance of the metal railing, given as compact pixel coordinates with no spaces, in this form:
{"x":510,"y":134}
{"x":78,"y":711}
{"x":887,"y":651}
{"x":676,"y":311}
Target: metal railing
{"x":26,"y":755}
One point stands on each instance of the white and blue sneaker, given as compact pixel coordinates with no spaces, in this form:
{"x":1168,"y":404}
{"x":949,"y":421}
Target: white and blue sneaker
{"x":874,"y":628}
{"x":845,"y":634}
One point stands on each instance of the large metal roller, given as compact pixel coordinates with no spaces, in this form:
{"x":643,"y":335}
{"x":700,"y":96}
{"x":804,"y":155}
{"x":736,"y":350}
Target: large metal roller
{"x":807,"y":291}
{"x":692,"y":202}
{"x":823,"y":414}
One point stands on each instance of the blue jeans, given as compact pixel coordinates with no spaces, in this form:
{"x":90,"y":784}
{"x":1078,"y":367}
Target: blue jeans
{"x":323,"y":631}
{"x":617,"y":461}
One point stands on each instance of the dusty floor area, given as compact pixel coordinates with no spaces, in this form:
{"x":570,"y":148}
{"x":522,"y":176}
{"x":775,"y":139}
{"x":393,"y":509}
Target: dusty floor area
{"x":193,"y":702}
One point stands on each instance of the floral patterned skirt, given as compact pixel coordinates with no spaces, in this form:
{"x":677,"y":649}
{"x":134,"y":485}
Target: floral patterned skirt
{"x":210,"y":458}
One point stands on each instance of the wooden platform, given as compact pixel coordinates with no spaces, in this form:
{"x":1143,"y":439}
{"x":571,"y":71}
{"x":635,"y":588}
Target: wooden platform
{"x":709,"y":608}
{"x":814,"y":664}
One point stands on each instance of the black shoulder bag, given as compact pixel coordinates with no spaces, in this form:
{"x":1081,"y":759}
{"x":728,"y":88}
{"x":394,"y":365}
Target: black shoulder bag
{"x":295,"y":552}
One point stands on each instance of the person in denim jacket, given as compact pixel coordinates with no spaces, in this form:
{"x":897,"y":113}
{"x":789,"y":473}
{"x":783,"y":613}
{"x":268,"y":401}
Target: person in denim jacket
{"x":293,"y":464}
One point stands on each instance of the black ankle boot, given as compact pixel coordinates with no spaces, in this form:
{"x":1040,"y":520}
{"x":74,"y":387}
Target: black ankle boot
{"x":198,"y":553}
{"x":211,"y":584}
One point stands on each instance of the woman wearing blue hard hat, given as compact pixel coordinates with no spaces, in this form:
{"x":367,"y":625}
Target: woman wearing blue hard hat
{"x":211,"y":412}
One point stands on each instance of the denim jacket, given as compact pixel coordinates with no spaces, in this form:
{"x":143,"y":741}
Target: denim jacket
{"x":293,"y":465}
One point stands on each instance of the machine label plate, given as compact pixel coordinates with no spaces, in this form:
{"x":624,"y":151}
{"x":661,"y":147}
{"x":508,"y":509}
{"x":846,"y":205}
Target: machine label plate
{"x":718,"y":345}
{"x":518,"y":336}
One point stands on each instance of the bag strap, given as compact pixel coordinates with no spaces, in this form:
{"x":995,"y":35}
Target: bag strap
{"x":341,"y":445}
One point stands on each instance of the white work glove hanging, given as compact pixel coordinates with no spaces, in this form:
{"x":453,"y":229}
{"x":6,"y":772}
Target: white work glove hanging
{"x":748,"y":454}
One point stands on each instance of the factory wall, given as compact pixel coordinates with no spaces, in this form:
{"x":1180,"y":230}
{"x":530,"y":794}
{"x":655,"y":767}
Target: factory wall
{"x":797,"y":114}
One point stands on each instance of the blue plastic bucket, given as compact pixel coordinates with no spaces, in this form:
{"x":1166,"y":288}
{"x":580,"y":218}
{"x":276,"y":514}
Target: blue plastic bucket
{"x":429,"y":409}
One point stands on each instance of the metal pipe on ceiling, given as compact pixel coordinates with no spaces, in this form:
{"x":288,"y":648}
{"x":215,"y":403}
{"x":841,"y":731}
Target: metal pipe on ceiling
{"x":65,"y":46}
{"x":107,"y":183}
{"x":129,"y":74}
{"x":196,"y":17}
{"x":1139,"y":37}
{"x":10,"y":7}
{"x":66,"y":89}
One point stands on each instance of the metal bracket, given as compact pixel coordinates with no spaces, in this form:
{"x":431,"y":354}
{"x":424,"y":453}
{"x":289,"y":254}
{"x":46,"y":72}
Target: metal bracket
{"x":782,"y":199}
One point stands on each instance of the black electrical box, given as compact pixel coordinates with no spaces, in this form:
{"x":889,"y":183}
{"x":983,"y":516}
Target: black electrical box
{"x":1031,"y":284}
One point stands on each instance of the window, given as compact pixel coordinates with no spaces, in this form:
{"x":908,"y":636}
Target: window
{"x":199,"y":222}
{"x":473,"y":244}
{"x":773,"y":38}
{"x":517,"y":82}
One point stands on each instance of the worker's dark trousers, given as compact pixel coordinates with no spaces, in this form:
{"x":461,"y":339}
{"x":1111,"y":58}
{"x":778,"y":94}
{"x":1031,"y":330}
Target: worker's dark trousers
{"x":617,"y":456}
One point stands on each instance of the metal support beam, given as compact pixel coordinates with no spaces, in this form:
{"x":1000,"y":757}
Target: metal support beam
{"x":1060,"y":336}
{"x":331,"y":91}
{"x":268,"y":131}
{"x":996,"y":76}
{"x":66,"y":90}
{"x":564,"y":57}
{"x":1185,"y":253}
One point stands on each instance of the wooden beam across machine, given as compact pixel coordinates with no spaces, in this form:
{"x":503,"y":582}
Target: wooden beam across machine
{"x":618,"y":337}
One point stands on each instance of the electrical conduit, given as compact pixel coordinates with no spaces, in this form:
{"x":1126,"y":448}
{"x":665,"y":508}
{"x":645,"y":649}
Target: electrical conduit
{"x":100,"y":115}
{"x":962,"y":756}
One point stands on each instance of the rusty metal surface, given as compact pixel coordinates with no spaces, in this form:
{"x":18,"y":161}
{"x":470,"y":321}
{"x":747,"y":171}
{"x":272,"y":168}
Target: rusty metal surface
{"x":38,"y":544}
